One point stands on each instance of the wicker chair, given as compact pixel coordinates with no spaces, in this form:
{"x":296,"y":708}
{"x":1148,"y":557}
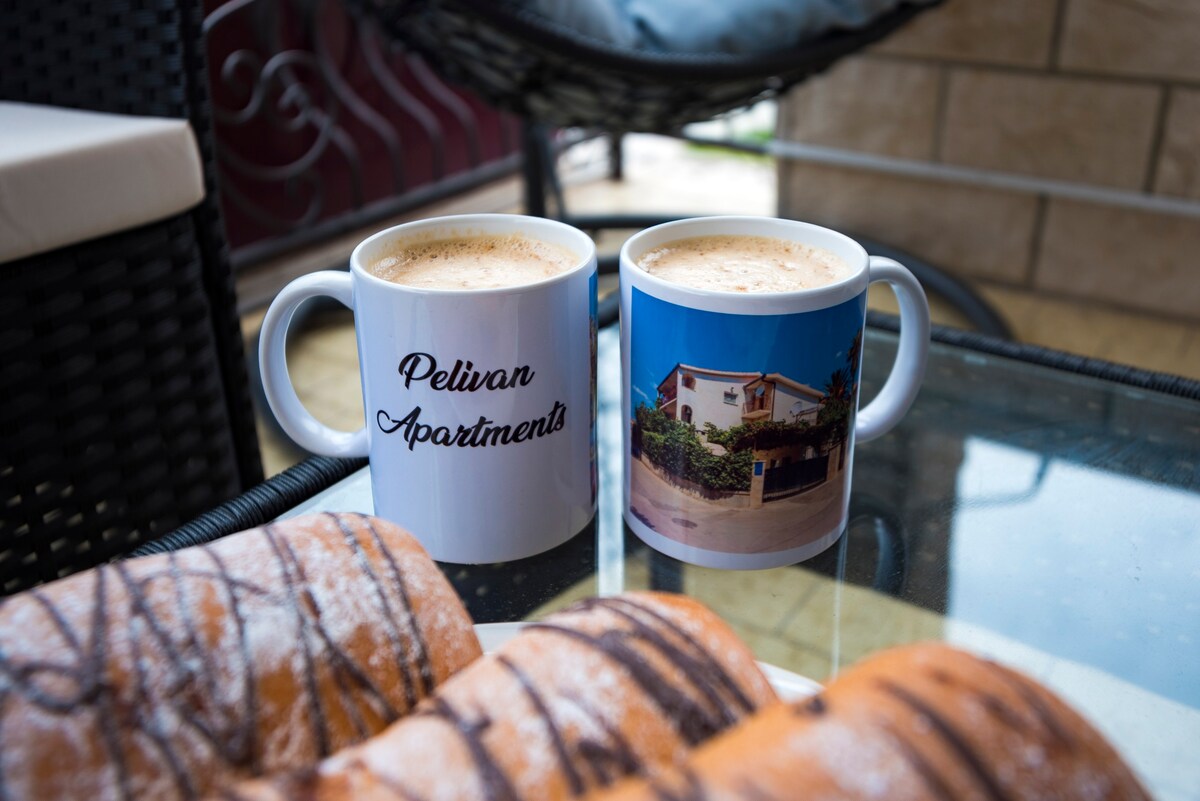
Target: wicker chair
{"x":125,"y":408}
{"x":548,"y":68}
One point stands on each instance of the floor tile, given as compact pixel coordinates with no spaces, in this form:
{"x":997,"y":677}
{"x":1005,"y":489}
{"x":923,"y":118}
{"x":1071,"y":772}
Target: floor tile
{"x":332,"y":338}
{"x":760,"y":599}
{"x":857,"y":621}
{"x":672,"y":177}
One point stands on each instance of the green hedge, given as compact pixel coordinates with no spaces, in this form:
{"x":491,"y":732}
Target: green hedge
{"x":676,"y":447}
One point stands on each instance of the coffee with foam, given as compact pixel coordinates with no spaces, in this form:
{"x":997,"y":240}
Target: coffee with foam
{"x":486,"y":261}
{"x":729,"y":263}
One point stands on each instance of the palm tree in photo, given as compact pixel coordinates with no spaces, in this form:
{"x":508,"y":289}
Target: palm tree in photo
{"x":835,"y":410}
{"x":838,"y":403}
{"x":853,"y":353}
{"x":837,"y":387}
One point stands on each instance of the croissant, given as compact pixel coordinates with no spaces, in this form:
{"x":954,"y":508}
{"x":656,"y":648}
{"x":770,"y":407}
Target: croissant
{"x":610,"y":687}
{"x":269,"y":649}
{"x":924,"y":722}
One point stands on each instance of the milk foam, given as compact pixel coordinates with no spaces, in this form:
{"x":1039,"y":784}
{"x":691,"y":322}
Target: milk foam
{"x":729,"y":263}
{"x":473,"y":262}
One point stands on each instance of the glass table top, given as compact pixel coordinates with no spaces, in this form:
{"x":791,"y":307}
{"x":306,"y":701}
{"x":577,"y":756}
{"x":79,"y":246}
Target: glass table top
{"x":1046,"y":519}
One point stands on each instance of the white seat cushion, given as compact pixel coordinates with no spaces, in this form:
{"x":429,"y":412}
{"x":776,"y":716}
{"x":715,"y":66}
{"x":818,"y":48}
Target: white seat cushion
{"x":68,"y":176}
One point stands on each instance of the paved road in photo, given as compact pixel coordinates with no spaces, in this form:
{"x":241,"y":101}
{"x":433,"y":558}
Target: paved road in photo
{"x":703,"y":524}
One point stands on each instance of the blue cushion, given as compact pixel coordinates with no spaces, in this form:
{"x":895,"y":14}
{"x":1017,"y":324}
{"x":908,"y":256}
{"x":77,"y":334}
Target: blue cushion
{"x":635,"y":65}
{"x":706,"y":27}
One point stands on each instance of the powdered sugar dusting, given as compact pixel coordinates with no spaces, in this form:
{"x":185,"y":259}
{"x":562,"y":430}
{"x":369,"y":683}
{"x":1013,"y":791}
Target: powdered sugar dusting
{"x":612,"y":687}
{"x":265,"y":650}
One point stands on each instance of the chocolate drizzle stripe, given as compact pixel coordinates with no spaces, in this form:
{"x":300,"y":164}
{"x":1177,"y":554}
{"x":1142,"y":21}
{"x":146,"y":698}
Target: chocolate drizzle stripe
{"x":141,"y":611}
{"x":1057,"y":730}
{"x":313,"y":697}
{"x":420,"y":654}
{"x":346,"y":673}
{"x":21,"y":678}
{"x":346,"y":696}
{"x":147,"y":722}
{"x":814,"y":705}
{"x":395,"y":638}
{"x":621,"y":607}
{"x":179,"y":680}
{"x":691,"y":790}
{"x":4,"y":794}
{"x":574,"y":780}
{"x":1002,"y":712}
{"x":244,"y":587}
{"x":695,"y":721}
{"x":243,"y":741}
{"x":183,"y":608}
{"x":97,"y":661}
{"x":934,"y":781}
{"x":599,"y":756}
{"x":60,"y":622}
{"x":991,"y":703}
{"x":956,"y":742}
{"x":87,"y":673}
{"x":188,"y":682}
{"x":151,"y":733}
{"x":496,"y":786}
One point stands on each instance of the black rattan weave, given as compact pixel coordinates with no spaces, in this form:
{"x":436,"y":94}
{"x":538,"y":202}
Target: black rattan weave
{"x":125,"y":408}
{"x":1135,"y":377}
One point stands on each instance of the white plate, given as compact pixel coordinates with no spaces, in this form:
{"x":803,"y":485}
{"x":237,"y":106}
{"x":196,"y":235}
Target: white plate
{"x":789,"y":685}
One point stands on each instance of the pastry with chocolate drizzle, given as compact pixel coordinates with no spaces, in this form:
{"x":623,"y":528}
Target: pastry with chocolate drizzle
{"x":609,"y":687}
{"x":162,"y":677}
{"x":917,"y":723}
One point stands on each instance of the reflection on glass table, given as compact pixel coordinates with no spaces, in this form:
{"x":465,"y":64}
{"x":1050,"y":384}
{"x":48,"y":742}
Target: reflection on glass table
{"x":1047,"y":519}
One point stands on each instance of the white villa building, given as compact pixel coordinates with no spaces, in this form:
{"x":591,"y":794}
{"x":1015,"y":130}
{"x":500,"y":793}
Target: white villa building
{"x":698,"y":395}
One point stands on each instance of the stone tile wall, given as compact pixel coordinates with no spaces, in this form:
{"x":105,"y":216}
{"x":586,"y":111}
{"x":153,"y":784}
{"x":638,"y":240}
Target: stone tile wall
{"x":1099,"y":92}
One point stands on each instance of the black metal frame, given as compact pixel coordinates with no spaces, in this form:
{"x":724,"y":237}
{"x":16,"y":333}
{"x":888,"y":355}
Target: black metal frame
{"x":1134,"y":377}
{"x":329,"y":89}
{"x":542,"y":185}
{"x":302,"y":236}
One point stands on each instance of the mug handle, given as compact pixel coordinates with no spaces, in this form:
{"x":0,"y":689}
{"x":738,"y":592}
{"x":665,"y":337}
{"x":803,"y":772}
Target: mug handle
{"x":306,"y":430}
{"x":902,"y":384}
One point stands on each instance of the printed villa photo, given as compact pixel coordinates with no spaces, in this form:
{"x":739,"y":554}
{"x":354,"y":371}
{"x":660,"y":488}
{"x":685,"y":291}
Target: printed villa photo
{"x":742,"y":461}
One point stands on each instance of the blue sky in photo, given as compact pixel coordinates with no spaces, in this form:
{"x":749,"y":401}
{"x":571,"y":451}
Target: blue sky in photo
{"x":805,"y":347}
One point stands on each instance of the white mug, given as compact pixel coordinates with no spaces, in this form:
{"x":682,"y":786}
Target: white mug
{"x":741,"y":409}
{"x":480,"y":403}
